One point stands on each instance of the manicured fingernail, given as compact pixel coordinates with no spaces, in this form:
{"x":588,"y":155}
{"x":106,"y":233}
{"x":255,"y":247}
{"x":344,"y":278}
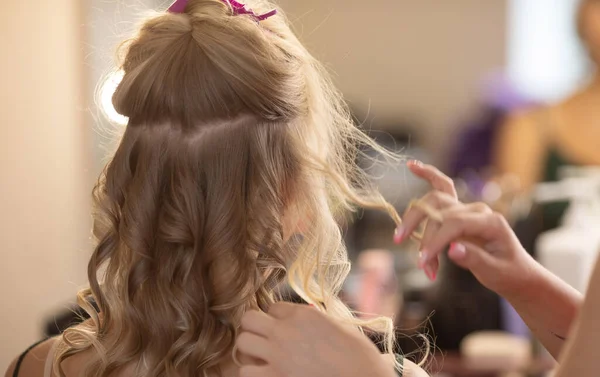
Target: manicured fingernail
{"x":431,"y":274}
{"x":399,"y":235}
{"x":416,"y":163}
{"x":423,"y":258}
{"x":457,"y":250}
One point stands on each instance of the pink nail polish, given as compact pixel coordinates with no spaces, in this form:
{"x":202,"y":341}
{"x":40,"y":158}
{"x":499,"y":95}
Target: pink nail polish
{"x":399,"y":235}
{"x":423,"y":258}
{"x":457,"y":250}
{"x":431,"y":274}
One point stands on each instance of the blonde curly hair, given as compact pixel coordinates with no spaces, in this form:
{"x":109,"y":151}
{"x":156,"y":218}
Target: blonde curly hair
{"x":236,"y":138}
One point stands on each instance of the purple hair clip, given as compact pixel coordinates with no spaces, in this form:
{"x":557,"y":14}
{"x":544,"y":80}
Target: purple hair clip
{"x":178,"y":6}
{"x":238,"y":8}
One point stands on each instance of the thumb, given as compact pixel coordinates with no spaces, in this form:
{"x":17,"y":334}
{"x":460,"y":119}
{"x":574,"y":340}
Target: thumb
{"x":471,"y":257}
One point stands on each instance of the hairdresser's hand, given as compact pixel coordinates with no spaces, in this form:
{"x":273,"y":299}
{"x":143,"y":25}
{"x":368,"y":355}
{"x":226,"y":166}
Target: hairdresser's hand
{"x":299,"y":341}
{"x":480,"y":240}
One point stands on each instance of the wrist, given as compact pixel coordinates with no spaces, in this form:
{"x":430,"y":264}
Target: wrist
{"x":536,"y":284}
{"x":528,"y":279}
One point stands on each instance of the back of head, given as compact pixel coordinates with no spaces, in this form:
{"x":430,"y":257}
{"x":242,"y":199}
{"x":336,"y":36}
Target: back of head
{"x":207,"y":64}
{"x":588,"y":25}
{"x":236,"y":139}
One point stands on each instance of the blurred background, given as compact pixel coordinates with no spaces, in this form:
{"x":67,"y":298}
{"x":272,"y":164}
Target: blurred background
{"x":500,"y":94}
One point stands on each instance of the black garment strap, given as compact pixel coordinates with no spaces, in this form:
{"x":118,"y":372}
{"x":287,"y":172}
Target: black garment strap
{"x":400,"y":360}
{"x":22,"y":356}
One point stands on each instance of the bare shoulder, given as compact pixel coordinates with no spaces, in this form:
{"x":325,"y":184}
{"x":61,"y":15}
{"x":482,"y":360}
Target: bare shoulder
{"x":34,"y":361}
{"x":531,"y":120}
{"x":521,"y":145}
{"x":521,"y":131}
{"x":413,"y":370}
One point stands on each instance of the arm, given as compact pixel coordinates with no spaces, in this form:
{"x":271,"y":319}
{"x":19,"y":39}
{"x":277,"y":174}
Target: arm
{"x":549,"y":306}
{"x":485,"y":244}
{"x":580,"y":356}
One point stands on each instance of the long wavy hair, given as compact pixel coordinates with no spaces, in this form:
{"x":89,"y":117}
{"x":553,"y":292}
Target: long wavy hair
{"x":236,"y":140}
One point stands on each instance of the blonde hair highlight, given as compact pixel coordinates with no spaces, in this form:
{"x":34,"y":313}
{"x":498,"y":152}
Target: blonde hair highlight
{"x":232,"y":125}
